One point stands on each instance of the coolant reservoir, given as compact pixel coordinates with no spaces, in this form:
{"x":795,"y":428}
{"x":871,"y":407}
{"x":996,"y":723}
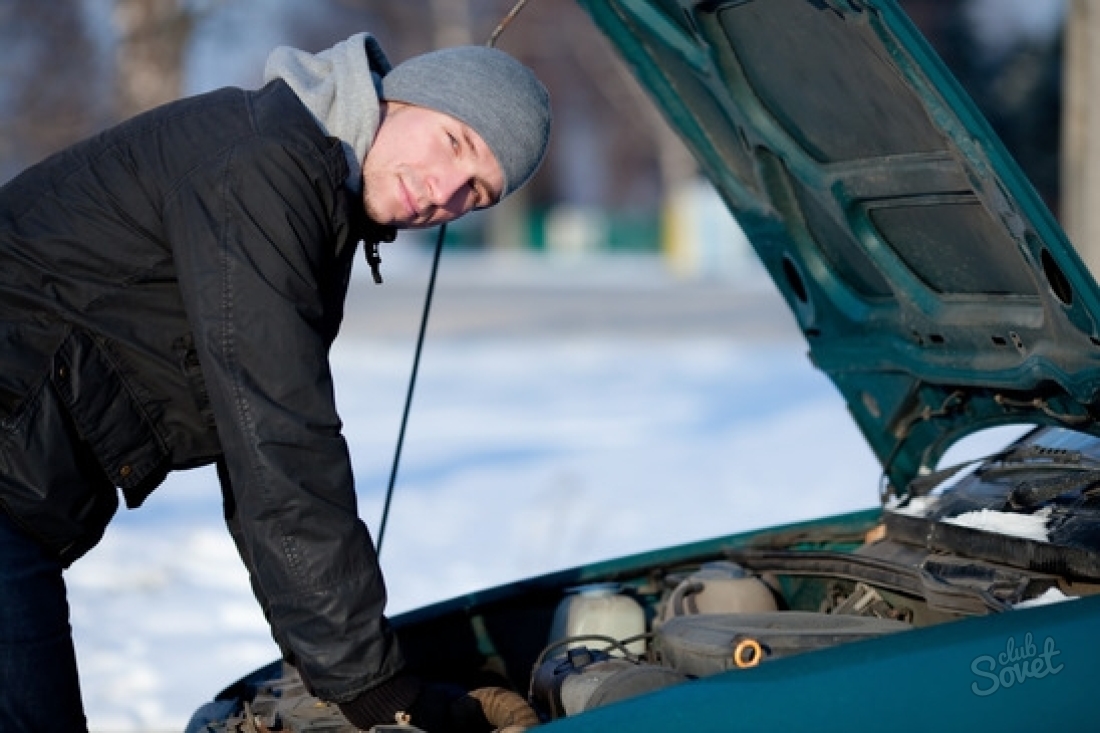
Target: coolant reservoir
{"x":718,"y":587}
{"x":602,"y":609}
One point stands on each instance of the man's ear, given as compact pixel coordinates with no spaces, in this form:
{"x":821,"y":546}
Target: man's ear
{"x":384,"y":108}
{"x":388,"y":108}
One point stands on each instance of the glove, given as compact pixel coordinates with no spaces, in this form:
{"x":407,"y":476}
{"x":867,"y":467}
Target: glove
{"x":441,"y":708}
{"x":450,"y":709}
{"x":379,"y":705}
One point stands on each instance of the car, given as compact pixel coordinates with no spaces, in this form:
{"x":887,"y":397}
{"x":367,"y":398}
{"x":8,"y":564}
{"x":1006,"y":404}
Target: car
{"x":941,"y":297}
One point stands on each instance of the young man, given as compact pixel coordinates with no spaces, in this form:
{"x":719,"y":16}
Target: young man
{"x":169,"y":291}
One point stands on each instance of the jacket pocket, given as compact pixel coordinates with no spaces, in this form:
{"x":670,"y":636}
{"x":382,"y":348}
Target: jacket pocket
{"x":188,"y":359}
{"x":109,"y":417}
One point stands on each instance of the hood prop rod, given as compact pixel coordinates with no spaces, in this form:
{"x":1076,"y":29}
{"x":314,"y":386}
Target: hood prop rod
{"x":492,"y":42}
{"x":412,"y":386}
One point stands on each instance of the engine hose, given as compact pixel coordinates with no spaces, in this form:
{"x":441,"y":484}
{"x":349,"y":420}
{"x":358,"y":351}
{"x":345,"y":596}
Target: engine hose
{"x":683,"y":598}
{"x":609,"y":641}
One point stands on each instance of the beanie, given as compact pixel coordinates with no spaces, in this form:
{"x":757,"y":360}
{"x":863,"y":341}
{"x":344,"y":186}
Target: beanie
{"x":497,"y":96}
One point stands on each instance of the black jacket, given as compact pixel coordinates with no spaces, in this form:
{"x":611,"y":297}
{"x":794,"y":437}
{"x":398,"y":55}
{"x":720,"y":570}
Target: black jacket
{"x":169,"y":291}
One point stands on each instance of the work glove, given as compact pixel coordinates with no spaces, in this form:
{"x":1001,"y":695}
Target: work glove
{"x":440,"y":708}
{"x":444,"y":708}
{"x":450,"y":709}
{"x":380,"y":705}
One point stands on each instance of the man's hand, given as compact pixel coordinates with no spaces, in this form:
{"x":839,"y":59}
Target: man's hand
{"x":447,"y":709}
{"x":450,"y":709}
{"x":505,"y":710}
{"x":440,"y":708}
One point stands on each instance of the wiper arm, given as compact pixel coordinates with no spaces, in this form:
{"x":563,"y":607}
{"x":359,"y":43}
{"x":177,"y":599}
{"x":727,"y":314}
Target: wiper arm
{"x":1037,"y":457}
{"x":1076,"y":471}
{"x":1029,"y":493}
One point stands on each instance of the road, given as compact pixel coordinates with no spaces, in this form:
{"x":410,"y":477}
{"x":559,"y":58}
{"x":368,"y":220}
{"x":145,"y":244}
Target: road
{"x":506,"y":295}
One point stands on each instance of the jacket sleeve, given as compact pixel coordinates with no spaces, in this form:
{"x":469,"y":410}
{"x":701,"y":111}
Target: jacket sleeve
{"x":253,"y":236}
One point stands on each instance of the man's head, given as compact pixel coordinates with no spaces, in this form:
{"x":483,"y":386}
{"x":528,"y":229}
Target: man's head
{"x":461,"y":129}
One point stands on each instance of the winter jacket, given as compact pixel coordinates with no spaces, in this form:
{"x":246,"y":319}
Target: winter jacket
{"x":169,"y":291}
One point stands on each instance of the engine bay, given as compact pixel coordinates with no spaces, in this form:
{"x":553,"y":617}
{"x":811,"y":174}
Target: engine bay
{"x":578,"y":640}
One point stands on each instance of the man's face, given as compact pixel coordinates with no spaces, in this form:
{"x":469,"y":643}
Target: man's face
{"x":426,"y":168}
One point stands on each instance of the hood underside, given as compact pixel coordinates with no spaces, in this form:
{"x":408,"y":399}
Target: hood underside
{"x":932,"y":284}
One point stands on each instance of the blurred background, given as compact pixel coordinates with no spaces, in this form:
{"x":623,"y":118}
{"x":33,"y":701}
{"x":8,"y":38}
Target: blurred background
{"x":616,"y":178}
{"x":607,"y":370}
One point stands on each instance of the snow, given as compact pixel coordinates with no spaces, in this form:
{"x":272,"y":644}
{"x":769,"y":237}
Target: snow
{"x":1028,"y":526}
{"x":918,"y":506}
{"x":1050,"y":595}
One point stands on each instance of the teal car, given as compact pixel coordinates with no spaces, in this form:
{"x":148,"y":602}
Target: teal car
{"x":941,"y":297}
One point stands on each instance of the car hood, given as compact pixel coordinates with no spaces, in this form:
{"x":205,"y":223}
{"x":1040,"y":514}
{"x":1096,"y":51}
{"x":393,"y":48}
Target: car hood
{"x":932,"y":284}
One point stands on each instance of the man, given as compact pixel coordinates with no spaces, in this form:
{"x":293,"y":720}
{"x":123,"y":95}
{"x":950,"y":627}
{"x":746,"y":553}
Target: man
{"x":169,"y":291}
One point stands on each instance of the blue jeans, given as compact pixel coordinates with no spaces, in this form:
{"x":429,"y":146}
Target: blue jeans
{"x":39,"y":688}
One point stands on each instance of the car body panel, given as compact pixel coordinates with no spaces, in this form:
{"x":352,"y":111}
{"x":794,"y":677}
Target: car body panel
{"x":932,"y":284}
{"x":946,"y":677}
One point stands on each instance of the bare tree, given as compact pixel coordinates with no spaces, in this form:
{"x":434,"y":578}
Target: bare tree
{"x":1081,"y":128}
{"x":153,"y":39}
{"x":49,"y":81}
{"x":610,"y":147}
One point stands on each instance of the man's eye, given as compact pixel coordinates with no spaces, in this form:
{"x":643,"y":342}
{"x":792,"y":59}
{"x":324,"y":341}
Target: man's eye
{"x":454,"y":142}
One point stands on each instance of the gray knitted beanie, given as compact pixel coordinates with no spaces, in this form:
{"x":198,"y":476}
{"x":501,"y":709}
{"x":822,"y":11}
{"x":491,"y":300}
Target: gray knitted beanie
{"x":493,"y":93}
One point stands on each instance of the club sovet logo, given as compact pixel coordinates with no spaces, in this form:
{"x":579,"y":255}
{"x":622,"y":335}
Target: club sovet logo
{"x":1014,"y":666}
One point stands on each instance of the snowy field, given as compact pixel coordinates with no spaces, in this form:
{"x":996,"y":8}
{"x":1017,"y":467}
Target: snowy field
{"x":530,"y":448}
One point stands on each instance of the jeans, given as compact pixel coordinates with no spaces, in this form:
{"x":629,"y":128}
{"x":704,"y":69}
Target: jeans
{"x":39,"y":688}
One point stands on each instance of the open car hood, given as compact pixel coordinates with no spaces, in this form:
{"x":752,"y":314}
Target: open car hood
{"x":932,"y":284}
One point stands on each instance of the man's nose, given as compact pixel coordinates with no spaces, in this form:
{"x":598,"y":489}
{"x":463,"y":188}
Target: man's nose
{"x":448,"y":184}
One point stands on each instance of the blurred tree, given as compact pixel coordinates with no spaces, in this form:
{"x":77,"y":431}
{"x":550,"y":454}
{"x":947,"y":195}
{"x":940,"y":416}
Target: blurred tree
{"x":451,"y":23}
{"x":50,"y":81}
{"x":610,"y":146}
{"x":609,"y":150}
{"x":152,"y":41}
{"x":1018,"y":87}
{"x":1081,"y":130}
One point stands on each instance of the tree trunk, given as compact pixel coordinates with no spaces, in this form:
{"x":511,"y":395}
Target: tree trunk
{"x":153,"y":37}
{"x":1080,"y":213}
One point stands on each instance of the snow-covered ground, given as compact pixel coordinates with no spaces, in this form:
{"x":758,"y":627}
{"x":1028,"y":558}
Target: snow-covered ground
{"x":528,"y":450}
